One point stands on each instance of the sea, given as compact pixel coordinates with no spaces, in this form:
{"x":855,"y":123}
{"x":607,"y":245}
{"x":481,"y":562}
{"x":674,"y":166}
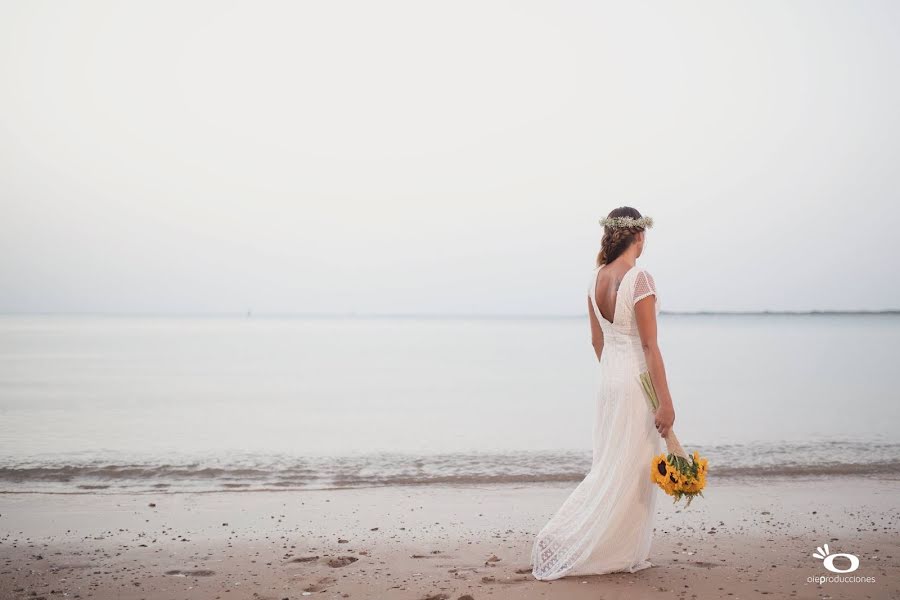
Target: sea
{"x":150,"y":404}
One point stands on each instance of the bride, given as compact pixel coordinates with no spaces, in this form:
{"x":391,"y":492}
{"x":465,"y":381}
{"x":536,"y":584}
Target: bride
{"x":606,"y":524}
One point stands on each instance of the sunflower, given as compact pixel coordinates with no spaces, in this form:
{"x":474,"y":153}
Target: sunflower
{"x":694,"y":486}
{"x":660,"y":470}
{"x":674,"y":481}
{"x":679,"y":476}
{"x":676,"y":478}
{"x":702,"y":463}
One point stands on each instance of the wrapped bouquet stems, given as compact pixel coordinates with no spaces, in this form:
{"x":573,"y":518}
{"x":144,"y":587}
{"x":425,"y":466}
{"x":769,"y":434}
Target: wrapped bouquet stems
{"x":673,"y":445}
{"x":675,"y":472}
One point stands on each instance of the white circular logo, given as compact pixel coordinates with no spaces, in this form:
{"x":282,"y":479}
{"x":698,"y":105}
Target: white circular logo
{"x":829,"y":563}
{"x":828,"y":560}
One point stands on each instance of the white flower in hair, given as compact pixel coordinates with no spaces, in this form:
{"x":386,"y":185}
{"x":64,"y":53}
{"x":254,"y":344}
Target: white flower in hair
{"x":629,"y":222}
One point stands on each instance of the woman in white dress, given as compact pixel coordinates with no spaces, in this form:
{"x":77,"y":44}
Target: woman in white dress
{"x":606,"y":524}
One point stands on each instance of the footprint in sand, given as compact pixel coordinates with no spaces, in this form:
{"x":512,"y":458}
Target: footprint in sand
{"x":524,"y":570}
{"x":321,"y":585}
{"x":492,"y":579}
{"x":703,"y":563}
{"x":341,"y":561}
{"x":303,"y":559}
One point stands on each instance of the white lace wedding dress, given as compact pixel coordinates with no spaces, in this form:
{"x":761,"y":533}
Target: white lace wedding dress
{"x":606,"y":524}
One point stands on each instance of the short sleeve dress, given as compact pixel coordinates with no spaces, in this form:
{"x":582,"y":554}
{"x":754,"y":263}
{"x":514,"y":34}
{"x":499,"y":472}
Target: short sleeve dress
{"x":606,"y":523}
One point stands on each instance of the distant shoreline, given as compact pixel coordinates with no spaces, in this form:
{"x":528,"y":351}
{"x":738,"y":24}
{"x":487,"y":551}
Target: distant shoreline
{"x":892,"y":311}
{"x":438,"y":316}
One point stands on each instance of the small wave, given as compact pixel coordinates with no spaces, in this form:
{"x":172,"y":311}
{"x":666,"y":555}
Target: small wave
{"x":250,"y":473}
{"x":882,"y":468}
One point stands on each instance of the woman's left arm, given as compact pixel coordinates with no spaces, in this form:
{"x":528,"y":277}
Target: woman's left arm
{"x":645,"y":315}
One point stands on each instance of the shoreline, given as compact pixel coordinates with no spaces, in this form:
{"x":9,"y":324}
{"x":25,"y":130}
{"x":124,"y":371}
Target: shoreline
{"x":104,"y":473}
{"x":732,"y":478}
{"x":743,"y":539}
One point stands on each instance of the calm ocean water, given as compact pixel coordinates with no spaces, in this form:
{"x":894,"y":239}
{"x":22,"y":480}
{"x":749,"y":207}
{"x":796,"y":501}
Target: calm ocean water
{"x":113,"y":403}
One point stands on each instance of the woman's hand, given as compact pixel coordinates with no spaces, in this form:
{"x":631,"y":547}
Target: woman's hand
{"x":665,"y":418}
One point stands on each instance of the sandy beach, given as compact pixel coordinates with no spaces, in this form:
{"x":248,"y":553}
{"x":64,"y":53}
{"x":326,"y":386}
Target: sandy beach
{"x":746,"y":539}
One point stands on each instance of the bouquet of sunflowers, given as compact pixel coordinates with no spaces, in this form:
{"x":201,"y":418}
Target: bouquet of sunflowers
{"x":674,"y":472}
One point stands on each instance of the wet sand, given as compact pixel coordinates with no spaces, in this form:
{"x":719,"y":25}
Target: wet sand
{"x":749,"y":539}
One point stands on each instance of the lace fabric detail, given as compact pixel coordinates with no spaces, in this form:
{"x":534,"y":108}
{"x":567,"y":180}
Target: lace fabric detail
{"x":643,"y":286}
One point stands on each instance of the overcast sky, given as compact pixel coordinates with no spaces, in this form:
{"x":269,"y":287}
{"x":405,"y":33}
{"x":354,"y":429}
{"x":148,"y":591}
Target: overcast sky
{"x":454,"y":157}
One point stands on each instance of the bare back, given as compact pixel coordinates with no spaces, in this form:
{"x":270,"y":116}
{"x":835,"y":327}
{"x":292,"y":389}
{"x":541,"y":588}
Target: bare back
{"x":609,"y":278}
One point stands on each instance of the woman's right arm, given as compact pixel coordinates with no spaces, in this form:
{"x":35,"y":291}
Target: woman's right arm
{"x":596,"y":332}
{"x":645,"y":315}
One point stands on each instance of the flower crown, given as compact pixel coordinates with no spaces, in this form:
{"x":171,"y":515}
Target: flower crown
{"x":627,"y":222}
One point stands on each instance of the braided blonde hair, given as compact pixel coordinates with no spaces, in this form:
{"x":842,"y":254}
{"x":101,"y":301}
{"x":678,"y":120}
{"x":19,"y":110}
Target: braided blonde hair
{"x":617,"y":239}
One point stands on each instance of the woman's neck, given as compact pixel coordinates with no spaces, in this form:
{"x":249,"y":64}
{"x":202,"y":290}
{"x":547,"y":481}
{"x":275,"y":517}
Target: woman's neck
{"x":628,"y":258}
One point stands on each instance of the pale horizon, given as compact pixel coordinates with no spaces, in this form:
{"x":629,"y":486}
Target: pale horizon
{"x":438,"y":316}
{"x":408,"y":159}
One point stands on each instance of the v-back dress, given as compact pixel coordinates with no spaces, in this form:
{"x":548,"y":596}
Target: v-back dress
{"x":606,"y":523}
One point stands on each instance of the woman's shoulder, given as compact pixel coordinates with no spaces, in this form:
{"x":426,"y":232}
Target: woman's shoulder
{"x":636,"y":273}
{"x":644,"y":285}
